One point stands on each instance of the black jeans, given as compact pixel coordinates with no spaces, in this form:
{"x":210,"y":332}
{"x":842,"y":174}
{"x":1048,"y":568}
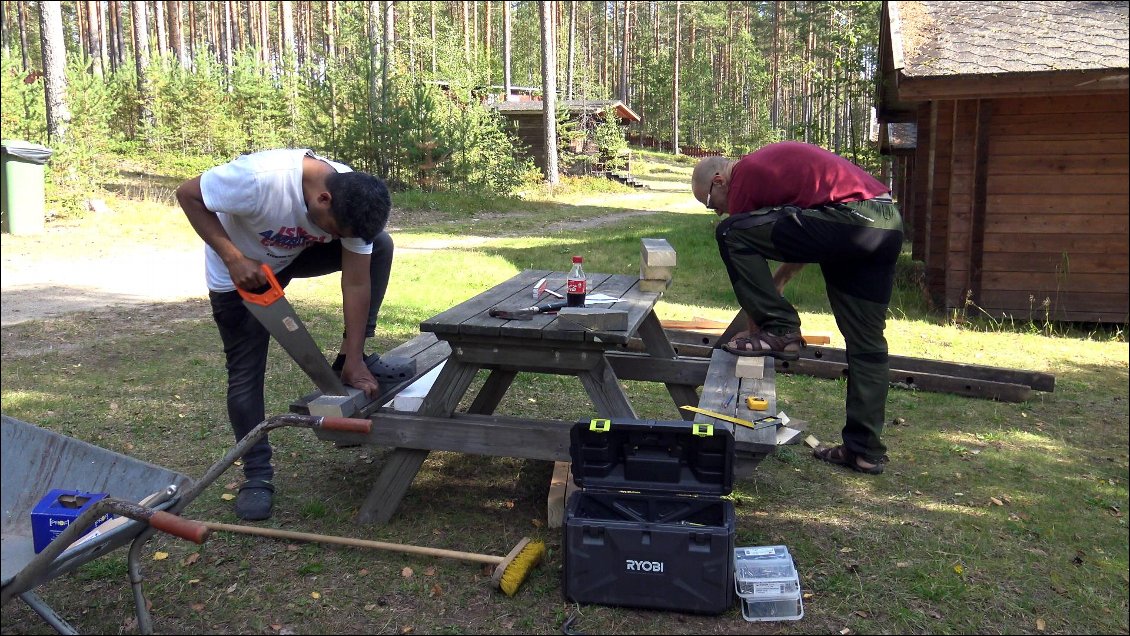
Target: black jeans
{"x":857,"y":245}
{"x":246,"y":340}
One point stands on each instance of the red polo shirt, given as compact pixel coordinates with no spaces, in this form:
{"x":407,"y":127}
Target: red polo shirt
{"x":795,"y":173}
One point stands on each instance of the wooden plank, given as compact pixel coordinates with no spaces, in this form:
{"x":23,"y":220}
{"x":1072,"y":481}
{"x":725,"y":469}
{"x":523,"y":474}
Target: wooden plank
{"x":1067,"y":105}
{"x":681,"y":370}
{"x":448,"y":321}
{"x":1037,"y":223}
{"x":1053,"y":282}
{"x":1052,"y":163}
{"x":1057,"y":184}
{"x":1068,"y":241}
{"x":1003,"y":391}
{"x":561,"y":487}
{"x":1035,"y":379}
{"x":604,"y":390}
{"x":1102,"y":122}
{"x":1057,"y":145}
{"x":1059,"y":261}
{"x":490,"y":435}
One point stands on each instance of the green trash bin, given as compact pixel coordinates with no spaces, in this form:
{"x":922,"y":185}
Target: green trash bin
{"x":21,"y":185}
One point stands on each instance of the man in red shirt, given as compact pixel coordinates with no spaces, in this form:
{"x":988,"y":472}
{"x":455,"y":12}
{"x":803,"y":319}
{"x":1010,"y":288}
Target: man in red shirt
{"x":796,"y":203}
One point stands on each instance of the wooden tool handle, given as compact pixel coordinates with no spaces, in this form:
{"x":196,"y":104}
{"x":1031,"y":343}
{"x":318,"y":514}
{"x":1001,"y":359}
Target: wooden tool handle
{"x":347,"y":424}
{"x":357,"y":543}
{"x":179,"y":526}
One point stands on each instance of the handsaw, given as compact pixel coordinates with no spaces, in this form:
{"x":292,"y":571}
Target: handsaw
{"x":272,"y":309}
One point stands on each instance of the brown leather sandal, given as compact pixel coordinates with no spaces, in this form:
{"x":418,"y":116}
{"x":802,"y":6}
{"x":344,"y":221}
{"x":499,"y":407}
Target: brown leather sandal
{"x":841,"y":456}
{"x":765,"y":344}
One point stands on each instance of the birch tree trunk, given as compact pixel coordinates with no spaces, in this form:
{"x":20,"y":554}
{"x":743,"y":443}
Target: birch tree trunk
{"x":549,"y":90}
{"x":54,"y":71}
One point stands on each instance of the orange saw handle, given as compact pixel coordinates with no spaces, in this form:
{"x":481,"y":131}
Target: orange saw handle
{"x":273,"y":292}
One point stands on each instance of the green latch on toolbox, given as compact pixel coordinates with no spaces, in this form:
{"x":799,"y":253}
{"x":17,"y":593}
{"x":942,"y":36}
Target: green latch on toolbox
{"x":600,"y":425}
{"x":702,"y":429}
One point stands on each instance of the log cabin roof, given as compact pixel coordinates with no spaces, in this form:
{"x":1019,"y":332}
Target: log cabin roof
{"x":976,"y":50}
{"x":573,"y":106}
{"x":974,"y":38}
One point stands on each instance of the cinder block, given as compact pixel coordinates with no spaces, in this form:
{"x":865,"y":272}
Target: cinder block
{"x":656,"y":253}
{"x":652,"y":285}
{"x":593,"y":318}
{"x":750,"y":367}
{"x":337,"y":405}
{"x":656,"y":272}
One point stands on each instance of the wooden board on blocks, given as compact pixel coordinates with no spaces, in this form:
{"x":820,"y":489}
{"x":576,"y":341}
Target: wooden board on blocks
{"x":561,"y":486}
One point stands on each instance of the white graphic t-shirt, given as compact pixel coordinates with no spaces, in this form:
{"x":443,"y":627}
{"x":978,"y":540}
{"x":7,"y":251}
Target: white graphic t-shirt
{"x":258,"y":199}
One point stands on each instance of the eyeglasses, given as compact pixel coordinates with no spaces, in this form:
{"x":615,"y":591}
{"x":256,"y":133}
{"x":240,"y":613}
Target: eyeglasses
{"x":709,"y":193}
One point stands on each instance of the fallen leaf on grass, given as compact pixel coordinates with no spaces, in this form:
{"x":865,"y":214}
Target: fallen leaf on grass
{"x":902,"y":564}
{"x":363,"y":572}
{"x":934,"y":614}
{"x":509,"y":505}
{"x":160,"y":556}
{"x":407,"y":629}
{"x":232,"y":588}
{"x":197,"y":607}
{"x":292,"y":547}
{"x":190,"y":559}
{"x":996,"y":502}
{"x":1041,"y":625}
{"x":193,"y":581}
{"x":861,"y":614}
{"x":845,"y":550}
{"x":435,"y":591}
{"x":430,"y":570}
{"x":227,"y":496}
{"x":315,"y":595}
{"x":845,"y":631}
{"x":537,"y":523}
{"x":231,"y":485}
{"x":276,"y":626}
{"x":370,"y":607}
{"x":407,"y":573}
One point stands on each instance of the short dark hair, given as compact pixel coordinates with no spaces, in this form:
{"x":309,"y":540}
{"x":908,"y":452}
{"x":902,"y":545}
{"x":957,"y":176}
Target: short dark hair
{"x":359,"y":202}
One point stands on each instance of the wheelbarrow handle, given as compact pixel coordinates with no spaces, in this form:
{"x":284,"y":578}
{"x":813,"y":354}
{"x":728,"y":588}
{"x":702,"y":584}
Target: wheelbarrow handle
{"x":187,"y":529}
{"x":347,"y":424}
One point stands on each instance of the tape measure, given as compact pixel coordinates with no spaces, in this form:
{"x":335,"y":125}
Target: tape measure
{"x":756,"y":403}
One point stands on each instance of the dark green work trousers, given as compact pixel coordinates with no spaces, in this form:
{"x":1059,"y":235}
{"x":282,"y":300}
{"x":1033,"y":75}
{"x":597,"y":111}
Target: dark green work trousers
{"x":857,"y":245}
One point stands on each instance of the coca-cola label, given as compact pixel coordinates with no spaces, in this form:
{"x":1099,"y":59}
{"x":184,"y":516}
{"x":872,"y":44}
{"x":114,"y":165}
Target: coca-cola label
{"x":577,"y":286}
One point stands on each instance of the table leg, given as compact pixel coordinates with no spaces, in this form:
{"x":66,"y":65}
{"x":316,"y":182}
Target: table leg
{"x":492,"y":392}
{"x":402,"y":464}
{"x":603,"y":387}
{"x":655,"y":342}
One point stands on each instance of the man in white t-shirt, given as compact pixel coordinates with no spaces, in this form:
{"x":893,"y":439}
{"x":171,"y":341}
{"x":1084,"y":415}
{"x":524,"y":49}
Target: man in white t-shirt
{"x":304,"y":216}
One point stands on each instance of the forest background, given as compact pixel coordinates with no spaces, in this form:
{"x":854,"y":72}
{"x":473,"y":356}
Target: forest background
{"x":404,"y":89}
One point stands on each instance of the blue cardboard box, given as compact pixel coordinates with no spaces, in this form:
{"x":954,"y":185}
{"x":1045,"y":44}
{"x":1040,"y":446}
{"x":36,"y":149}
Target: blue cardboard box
{"x":55,"y":512}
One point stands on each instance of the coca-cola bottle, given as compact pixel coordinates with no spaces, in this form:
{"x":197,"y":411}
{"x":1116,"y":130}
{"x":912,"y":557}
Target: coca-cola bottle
{"x":577,"y":285}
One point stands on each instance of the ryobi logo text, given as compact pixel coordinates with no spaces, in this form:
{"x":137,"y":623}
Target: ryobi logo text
{"x":644,"y":566}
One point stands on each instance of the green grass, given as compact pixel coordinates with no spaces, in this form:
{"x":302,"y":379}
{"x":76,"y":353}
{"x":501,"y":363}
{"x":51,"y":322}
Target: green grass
{"x":992,"y":517}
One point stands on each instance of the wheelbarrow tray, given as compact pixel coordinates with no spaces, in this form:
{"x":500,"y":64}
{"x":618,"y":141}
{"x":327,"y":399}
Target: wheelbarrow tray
{"x":36,"y":461}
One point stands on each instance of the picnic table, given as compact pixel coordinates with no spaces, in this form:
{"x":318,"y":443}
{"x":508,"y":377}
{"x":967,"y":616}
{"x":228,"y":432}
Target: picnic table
{"x":472,"y":340}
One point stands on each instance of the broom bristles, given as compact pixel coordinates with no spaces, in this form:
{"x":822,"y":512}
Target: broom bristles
{"x":517,"y":568}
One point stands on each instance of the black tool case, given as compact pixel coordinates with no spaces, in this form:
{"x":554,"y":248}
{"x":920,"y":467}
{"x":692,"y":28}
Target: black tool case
{"x":648,"y":527}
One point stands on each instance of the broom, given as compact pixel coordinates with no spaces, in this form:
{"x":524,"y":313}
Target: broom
{"x":509,"y":573}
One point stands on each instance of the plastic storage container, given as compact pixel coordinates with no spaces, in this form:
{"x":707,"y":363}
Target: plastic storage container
{"x":22,"y":189}
{"x":648,"y":527}
{"x":767,"y":583}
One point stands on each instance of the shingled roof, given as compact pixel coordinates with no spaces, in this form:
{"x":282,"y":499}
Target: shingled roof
{"x":973,"y":38}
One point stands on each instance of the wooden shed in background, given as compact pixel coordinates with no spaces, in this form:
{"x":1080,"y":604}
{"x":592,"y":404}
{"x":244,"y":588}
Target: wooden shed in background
{"x":1016,"y":190}
{"x":527,"y":117}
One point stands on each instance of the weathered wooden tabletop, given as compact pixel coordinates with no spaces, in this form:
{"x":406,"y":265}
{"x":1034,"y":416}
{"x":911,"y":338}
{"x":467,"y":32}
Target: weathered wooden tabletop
{"x":472,"y":317}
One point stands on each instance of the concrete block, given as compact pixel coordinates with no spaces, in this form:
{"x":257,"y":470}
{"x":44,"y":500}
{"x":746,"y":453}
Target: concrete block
{"x":656,"y":253}
{"x":338,"y":405}
{"x":593,"y":318}
{"x":651,"y":285}
{"x":750,"y":367}
{"x":656,"y":272}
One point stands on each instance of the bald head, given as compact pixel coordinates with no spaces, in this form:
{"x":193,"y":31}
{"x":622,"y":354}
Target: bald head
{"x":704,"y":171}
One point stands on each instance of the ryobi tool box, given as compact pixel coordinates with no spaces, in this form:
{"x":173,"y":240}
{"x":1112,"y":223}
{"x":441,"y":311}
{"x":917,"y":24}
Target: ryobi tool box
{"x":648,"y":527}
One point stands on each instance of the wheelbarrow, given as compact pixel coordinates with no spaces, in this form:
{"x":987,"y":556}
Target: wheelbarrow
{"x":145,"y":497}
